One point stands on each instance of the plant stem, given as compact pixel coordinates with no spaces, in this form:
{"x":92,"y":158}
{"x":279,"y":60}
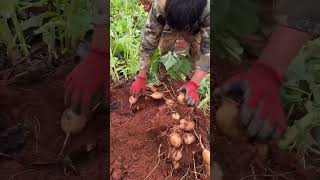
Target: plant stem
{"x":20,"y":35}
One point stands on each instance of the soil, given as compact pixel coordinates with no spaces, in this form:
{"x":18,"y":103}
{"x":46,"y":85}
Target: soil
{"x":136,"y":139}
{"x":254,"y":160}
{"x":39,"y":106}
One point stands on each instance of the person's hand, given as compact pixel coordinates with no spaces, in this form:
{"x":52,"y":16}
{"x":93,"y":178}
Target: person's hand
{"x":260,"y":112}
{"x":138,"y":87}
{"x":190,"y":90}
{"x":85,"y":85}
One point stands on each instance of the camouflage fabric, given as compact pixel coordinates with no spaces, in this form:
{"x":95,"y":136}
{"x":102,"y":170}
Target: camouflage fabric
{"x":101,"y":11}
{"x":299,"y":15}
{"x":159,"y":34}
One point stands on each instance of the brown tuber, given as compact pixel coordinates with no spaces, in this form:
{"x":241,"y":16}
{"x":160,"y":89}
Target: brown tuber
{"x":169,"y":102}
{"x":176,"y":155}
{"x":151,"y":87}
{"x":189,"y":125}
{"x":175,"y":139}
{"x":71,"y":123}
{"x":206,"y":156}
{"x":132,"y":100}
{"x":175,"y":116}
{"x":227,"y":119}
{"x":189,"y":138}
{"x":157,"y":95}
{"x":181,"y":98}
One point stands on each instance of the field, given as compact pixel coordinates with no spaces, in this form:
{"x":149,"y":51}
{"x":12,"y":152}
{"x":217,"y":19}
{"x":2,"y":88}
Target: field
{"x":241,"y":29}
{"x":140,"y":133}
{"x":38,"y":50}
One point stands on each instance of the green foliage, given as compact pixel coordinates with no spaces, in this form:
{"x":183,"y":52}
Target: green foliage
{"x":301,"y":98}
{"x":177,"y":67}
{"x":68,"y":21}
{"x":232,"y":19}
{"x":65,"y":21}
{"x":204,"y":91}
{"x":126,"y":24}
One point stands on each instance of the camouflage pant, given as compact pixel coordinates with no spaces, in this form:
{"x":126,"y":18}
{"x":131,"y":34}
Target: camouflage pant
{"x":101,"y":8}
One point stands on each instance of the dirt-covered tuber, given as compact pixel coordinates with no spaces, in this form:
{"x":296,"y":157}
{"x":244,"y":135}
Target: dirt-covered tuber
{"x":72,"y":122}
{"x":132,"y":100}
{"x":227,"y":119}
{"x":189,"y":125}
{"x":157,"y":95}
{"x":151,"y":87}
{"x":181,"y":98}
{"x":175,"y":116}
{"x":176,"y":155}
{"x":189,"y":138}
{"x":175,"y":139}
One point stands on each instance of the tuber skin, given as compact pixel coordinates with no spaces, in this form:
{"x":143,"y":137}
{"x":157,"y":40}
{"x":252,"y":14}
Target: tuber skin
{"x":72,"y":122}
{"x":189,"y":125}
{"x":189,"y":138}
{"x":151,"y":87}
{"x":175,"y":116}
{"x":157,"y":95}
{"x":181,"y":98}
{"x":176,"y":155}
{"x":132,"y":100}
{"x":175,"y":139}
{"x":227,"y":120}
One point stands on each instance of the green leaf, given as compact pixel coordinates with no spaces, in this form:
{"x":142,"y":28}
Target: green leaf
{"x":8,"y":7}
{"x":35,"y":21}
{"x":168,"y":60}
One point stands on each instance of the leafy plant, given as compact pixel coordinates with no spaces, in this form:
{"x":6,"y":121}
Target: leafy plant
{"x":204,"y":92}
{"x":232,"y":19}
{"x":126,"y":24}
{"x":301,"y":98}
{"x":68,"y":22}
{"x":65,"y":21}
{"x":177,"y":67}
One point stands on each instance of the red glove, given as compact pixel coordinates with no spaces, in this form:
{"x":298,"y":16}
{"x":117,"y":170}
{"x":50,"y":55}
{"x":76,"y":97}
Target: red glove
{"x":85,"y":85}
{"x":138,"y":87}
{"x":191,"y":93}
{"x":261,"y":112}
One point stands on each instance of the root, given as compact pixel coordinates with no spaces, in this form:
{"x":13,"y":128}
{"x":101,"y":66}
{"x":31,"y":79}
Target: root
{"x":199,"y":137}
{"x":64,"y":143}
{"x":19,"y":173}
{"x":169,"y":91}
{"x":157,"y":165}
{"x":36,"y":133}
{"x":194,"y":167}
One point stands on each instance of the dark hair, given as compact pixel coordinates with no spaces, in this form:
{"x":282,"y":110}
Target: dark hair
{"x":180,"y":13}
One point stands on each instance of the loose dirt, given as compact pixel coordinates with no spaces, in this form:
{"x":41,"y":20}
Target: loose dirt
{"x":254,"y":160}
{"x":40,"y":105}
{"x":135,"y":139}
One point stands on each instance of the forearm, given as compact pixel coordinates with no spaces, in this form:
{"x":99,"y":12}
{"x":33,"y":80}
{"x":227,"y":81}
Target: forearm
{"x":284,"y":44}
{"x":198,"y":76}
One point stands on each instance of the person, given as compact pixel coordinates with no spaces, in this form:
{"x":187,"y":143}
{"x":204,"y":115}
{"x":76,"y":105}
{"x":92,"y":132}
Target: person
{"x":261,"y":112}
{"x":170,"y":25}
{"x":86,"y":84}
